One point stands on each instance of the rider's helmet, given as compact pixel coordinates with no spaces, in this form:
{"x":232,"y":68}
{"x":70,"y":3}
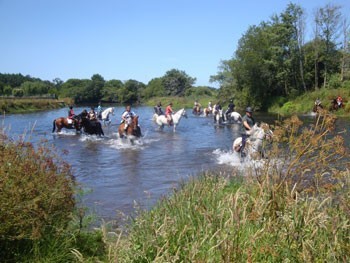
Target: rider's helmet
{"x":70,"y":107}
{"x":249,"y":109}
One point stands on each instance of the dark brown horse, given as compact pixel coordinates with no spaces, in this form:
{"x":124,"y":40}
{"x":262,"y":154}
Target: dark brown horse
{"x":132,"y":130}
{"x":62,"y":122}
{"x":92,"y":127}
{"x":335,"y":106}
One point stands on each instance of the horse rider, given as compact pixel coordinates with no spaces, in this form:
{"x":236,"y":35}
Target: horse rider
{"x":210,"y":107}
{"x":217,"y":108}
{"x":99,"y":111}
{"x":71,"y":113}
{"x":230,"y":108}
{"x":197,"y":106}
{"x":318,"y":102}
{"x":247,"y":124}
{"x":168,"y":113}
{"x":158,"y":109}
{"x":340,"y":101}
{"x":92,"y":114}
{"x":127,"y":117}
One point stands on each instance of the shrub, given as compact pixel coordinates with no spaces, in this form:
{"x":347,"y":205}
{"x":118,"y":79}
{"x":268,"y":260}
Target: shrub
{"x":37,"y":194}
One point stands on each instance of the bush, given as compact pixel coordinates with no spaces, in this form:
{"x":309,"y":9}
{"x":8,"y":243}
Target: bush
{"x":37,"y":194}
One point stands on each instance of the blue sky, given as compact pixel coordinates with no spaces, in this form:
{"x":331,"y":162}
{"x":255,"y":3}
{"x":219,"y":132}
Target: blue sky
{"x":130,"y":39}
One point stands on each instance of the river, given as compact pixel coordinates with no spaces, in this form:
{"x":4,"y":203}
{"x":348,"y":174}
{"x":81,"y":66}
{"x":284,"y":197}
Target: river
{"x":116,"y":174}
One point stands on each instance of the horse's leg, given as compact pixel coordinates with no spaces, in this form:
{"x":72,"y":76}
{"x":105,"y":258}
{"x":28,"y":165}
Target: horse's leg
{"x":54,"y":126}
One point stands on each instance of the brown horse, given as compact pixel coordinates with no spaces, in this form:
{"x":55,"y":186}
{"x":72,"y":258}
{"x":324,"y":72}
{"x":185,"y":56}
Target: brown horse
{"x":132,"y":130}
{"x":335,"y":106}
{"x":62,"y":122}
{"x":317,"y":108}
{"x":207,"y":112}
{"x":197,"y":110}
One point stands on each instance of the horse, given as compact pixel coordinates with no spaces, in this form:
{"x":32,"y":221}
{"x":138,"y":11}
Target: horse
{"x":196,"y":110}
{"x":253,"y":146}
{"x":105,"y":115}
{"x":232,"y":117}
{"x":335,"y":106}
{"x":218,"y":116}
{"x":133,"y":129}
{"x":161,"y":120}
{"x":63,"y":122}
{"x":207,"y":112}
{"x":91,"y":127}
{"x":317,"y":108}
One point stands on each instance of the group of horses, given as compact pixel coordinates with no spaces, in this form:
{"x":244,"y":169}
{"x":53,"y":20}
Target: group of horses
{"x":219,"y":115}
{"x":81,"y":122}
{"x":334,"y":106}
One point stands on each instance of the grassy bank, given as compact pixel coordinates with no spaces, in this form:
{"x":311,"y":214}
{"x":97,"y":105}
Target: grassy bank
{"x":25,"y":105}
{"x":303,"y":104}
{"x":293,"y":207}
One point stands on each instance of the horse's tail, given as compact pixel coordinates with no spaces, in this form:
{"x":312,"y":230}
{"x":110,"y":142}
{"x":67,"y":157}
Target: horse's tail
{"x":54,"y":126}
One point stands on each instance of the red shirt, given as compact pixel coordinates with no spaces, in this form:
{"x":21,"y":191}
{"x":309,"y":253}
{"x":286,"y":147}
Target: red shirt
{"x":168,"y":110}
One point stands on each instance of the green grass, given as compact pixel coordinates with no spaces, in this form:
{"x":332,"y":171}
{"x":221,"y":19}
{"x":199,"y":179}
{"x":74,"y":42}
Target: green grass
{"x":280,"y":212}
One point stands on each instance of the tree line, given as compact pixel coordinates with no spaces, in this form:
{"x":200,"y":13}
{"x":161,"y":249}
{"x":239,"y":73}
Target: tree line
{"x":174,"y":83}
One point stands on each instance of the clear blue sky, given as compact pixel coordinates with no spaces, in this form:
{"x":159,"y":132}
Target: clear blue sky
{"x":130,"y":39}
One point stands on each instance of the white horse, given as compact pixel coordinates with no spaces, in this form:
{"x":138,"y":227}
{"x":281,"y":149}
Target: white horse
{"x":161,"y":120}
{"x":233,"y":116}
{"x":105,"y":115}
{"x":218,"y":116}
{"x":253,"y":146}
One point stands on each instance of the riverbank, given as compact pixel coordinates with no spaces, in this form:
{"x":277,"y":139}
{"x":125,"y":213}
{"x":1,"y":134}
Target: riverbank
{"x":25,"y":105}
{"x":304,"y":104}
{"x":291,"y":207}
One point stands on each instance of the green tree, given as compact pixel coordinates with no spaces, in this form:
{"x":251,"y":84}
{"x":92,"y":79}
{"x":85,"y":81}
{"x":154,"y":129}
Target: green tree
{"x":109,"y":91}
{"x":176,"y":82}
{"x":154,"y":88}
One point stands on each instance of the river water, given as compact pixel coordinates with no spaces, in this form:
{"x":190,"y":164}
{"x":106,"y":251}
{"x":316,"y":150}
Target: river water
{"x":117,"y":174}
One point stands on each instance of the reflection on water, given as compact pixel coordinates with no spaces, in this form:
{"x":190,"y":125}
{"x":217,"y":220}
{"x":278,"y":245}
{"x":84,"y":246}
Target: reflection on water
{"x":119,"y":173}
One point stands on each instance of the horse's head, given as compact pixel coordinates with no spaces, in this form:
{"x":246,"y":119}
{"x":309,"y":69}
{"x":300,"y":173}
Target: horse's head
{"x":135,"y":122}
{"x":184,"y":113}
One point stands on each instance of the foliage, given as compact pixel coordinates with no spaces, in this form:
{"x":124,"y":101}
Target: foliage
{"x":305,"y":102}
{"x":37,"y":192}
{"x":176,"y":82}
{"x":272,"y":59}
{"x":292,"y":208}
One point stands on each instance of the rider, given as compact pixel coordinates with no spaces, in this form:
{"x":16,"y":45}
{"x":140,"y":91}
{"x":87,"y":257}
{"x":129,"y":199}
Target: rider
{"x":210,"y":107}
{"x":71,"y":115}
{"x":247,"y":124}
{"x":158,"y":109}
{"x":318,"y":102}
{"x":92,"y":114}
{"x":230,"y":108}
{"x":99,"y":111}
{"x":217,"y":108}
{"x":127,"y":117}
{"x":339,"y":101}
{"x":197,"y":106}
{"x":168,"y":113}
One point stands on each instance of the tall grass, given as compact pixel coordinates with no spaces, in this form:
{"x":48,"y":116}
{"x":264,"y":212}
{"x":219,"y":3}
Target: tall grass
{"x":293,"y":208}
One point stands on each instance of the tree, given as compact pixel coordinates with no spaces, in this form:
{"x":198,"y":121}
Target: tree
{"x":154,"y":88}
{"x":327,"y":22}
{"x":176,"y":82}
